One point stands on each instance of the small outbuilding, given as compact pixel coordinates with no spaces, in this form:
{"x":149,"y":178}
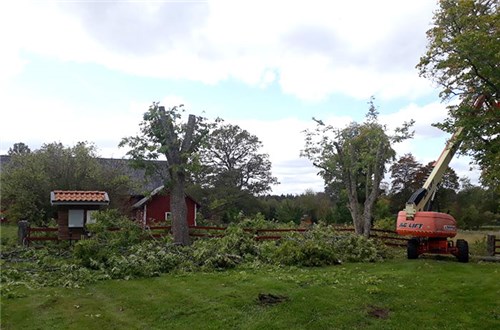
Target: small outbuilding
{"x":75,"y":209}
{"x":155,"y":208}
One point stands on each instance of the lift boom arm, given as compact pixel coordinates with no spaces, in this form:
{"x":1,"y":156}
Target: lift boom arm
{"x":424,"y":195}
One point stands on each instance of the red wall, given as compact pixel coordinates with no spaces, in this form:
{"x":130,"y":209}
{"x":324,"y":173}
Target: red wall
{"x":159,"y":204}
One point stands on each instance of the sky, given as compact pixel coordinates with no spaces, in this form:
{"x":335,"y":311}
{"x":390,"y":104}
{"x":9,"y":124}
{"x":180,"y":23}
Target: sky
{"x":75,"y":71}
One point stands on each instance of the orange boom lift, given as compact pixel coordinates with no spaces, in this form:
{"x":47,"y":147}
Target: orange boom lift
{"x":430,"y":230}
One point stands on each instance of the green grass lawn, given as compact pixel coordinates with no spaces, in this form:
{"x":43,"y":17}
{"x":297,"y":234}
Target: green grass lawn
{"x":426,"y":293}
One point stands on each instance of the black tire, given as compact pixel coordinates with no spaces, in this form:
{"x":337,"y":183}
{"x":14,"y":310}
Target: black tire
{"x":412,"y":248}
{"x":463,"y":250}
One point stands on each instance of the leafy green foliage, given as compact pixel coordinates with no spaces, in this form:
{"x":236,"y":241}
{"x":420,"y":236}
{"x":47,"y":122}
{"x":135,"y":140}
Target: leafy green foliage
{"x":408,"y":176}
{"x":127,"y":254}
{"x":322,"y":246}
{"x":232,"y":173}
{"x":231,"y":158}
{"x":29,"y":177}
{"x":146,"y":259}
{"x":387,"y":223}
{"x":162,"y":133}
{"x":19,"y":149}
{"x":475,"y":206}
{"x":462,"y":57}
{"x":234,"y":248}
{"x":354,"y":158}
{"x":95,"y":252}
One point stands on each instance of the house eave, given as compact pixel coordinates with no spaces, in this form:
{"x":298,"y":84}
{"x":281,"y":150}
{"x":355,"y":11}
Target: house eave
{"x":79,"y":203}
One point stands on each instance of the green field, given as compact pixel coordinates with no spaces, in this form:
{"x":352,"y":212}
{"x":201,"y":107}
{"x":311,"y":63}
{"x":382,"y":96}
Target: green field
{"x":427,"y":293}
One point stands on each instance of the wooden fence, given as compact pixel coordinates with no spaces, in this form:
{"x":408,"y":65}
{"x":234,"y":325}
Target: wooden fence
{"x":40,"y":234}
{"x":493,"y":245}
{"x":389,"y":237}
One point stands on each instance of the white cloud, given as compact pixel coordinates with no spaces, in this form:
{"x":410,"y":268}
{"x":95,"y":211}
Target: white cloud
{"x":312,"y":49}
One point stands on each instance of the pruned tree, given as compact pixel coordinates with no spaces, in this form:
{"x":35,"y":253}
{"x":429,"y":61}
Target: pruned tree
{"x":462,"y":57}
{"x":356,"y":156}
{"x":163,"y":134}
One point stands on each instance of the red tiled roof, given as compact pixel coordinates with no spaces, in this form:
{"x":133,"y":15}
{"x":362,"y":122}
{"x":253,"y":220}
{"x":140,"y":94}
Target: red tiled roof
{"x":76,"y":196}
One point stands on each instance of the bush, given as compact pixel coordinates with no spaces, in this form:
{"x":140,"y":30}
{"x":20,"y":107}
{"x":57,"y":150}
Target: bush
{"x":388,"y":223}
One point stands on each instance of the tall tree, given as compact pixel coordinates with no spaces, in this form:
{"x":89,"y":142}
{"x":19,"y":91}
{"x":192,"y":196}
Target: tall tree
{"x":408,"y":176}
{"x":448,"y":187}
{"x":233,"y":172}
{"x":355,"y":155}
{"x":476,"y":206}
{"x":232,"y":159}
{"x":19,"y":148}
{"x":163,"y":133}
{"x":404,"y":174}
{"x":405,"y":180}
{"x":463,"y":56}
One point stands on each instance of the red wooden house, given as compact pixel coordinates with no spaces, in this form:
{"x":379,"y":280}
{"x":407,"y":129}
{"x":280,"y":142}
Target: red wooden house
{"x":75,"y":210}
{"x":155,"y":208}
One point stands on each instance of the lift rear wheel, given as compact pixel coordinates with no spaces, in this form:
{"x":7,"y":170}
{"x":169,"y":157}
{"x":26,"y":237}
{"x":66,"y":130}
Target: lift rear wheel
{"x":412,"y":248}
{"x":463,"y":250}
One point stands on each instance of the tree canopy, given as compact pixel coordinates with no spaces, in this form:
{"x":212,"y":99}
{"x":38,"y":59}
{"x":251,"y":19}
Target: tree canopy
{"x":19,"y":148}
{"x":232,"y":159}
{"x":356,"y":157}
{"x":233,"y":172}
{"x":408,"y":175}
{"x":29,"y":177}
{"x":462,"y":57}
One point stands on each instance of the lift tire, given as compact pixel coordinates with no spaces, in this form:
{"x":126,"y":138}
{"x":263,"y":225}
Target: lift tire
{"x":463,"y":250}
{"x":412,"y":248}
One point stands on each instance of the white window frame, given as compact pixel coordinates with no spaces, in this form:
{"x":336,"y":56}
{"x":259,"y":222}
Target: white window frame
{"x":76,"y":218}
{"x":168,"y":216}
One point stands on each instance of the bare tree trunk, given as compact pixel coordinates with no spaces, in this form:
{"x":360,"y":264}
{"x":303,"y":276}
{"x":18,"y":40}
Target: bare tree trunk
{"x":177,"y":155}
{"x":372,"y":195}
{"x":178,"y":206}
{"x":357,"y":218}
{"x":352,"y":194}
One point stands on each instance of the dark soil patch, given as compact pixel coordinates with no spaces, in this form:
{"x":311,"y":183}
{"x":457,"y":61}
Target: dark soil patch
{"x":271,"y":299}
{"x":378,"y":313}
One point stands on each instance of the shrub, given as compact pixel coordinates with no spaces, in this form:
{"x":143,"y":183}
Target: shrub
{"x":388,"y":223}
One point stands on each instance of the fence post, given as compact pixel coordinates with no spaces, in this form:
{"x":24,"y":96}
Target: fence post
{"x":491,"y":245}
{"x":22,"y":232}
